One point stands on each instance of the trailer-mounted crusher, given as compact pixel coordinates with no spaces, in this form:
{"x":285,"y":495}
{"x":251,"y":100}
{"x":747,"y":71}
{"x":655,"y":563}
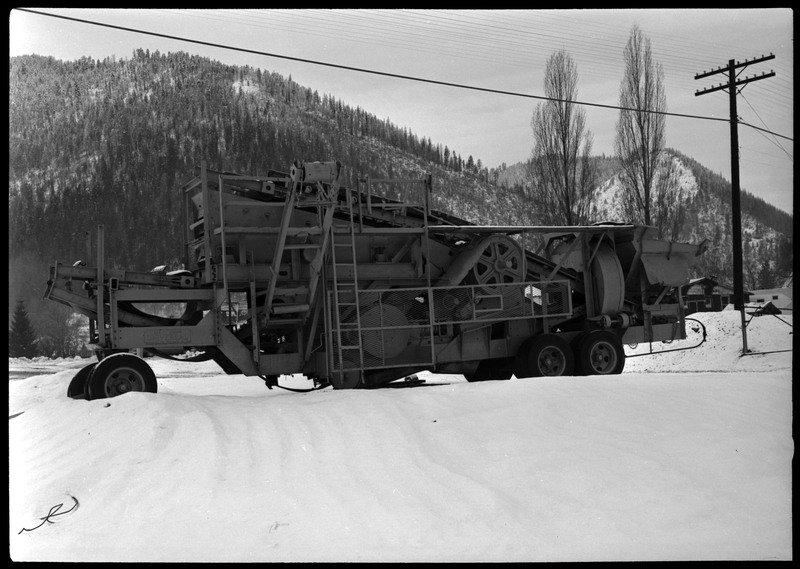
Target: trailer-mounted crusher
{"x":294,"y":273}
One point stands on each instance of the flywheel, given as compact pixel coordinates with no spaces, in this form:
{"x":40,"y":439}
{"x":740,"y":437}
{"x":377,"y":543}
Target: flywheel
{"x":499,"y":263}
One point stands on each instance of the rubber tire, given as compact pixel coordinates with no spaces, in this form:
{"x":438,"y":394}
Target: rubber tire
{"x":600,"y":353}
{"x":118,"y":374}
{"x":489,"y":370}
{"x":78,"y":386}
{"x":539,"y":348}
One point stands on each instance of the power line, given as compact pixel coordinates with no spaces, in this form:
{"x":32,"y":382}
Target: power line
{"x":679,"y":50}
{"x":361,"y":70}
{"x":775,"y":142}
{"x":381,"y":73}
{"x":743,"y":123}
{"x":462,"y":35}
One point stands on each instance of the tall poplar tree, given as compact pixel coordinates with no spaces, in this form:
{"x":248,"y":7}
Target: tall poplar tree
{"x":650,"y":185}
{"x":561,"y":171}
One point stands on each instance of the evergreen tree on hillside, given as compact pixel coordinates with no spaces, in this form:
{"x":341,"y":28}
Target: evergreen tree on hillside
{"x":766,"y":277}
{"x":21,"y":336}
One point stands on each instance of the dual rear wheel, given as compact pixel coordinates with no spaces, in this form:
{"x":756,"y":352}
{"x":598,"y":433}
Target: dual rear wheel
{"x":599,"y":352}
{"x":544,"y":355}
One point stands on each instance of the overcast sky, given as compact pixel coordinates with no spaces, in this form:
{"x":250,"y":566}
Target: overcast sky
{"x":503,"y":50}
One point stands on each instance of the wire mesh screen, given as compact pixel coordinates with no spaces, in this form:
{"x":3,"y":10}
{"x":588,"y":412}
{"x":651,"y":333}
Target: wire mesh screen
{"x":395,"y":327}
{"x":549,"y":298}
{"x":459,"y":305}
{"x":384,"y":328}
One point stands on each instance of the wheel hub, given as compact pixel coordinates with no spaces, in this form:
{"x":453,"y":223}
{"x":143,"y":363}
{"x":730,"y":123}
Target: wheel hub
{"x":124,"y":380}
{"x":602,"y":358}
{"x":551,"y":362}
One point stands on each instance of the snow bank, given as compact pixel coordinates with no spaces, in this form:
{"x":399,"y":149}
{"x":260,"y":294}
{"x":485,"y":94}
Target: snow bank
{"x":769,"y":341}
{"x":685,"y":465}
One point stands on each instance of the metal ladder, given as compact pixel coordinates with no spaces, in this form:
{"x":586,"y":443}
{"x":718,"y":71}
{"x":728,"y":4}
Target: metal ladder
{"x":345,"y":299}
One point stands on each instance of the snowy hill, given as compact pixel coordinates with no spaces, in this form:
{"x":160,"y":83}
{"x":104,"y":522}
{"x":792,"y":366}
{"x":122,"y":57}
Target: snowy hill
{"x":608,"y":197}
{"x":708,"y":217}
{"x":690,"y":461}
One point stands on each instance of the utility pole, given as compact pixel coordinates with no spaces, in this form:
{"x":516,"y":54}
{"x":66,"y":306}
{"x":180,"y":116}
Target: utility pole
{"x":736,"y":213}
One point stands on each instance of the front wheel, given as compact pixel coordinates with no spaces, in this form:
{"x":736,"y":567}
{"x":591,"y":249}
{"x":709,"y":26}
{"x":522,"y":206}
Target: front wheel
{"x":600,"y":353}
{"x":118,"y":374}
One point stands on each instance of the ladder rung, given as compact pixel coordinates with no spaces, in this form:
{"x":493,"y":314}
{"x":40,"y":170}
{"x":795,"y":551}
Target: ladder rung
{"x":350,"y":347}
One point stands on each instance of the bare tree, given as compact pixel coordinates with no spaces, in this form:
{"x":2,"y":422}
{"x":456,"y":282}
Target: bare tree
{"x":640,"y":137}
{"x":62,"y":331}
{"x":561,"y":171}
{"x":669,"y":210}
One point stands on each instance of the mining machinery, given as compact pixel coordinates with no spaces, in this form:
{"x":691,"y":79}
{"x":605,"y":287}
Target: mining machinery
{"x":296,"y":273}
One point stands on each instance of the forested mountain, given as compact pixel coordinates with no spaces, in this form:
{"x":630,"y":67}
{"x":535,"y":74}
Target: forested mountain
{"x":705,"y":210}
{"x":767,"y":232}
{"x":111,"y":142}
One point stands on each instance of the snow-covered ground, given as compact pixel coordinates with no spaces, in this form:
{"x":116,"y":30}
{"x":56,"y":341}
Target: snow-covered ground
{"x":684,"y":456}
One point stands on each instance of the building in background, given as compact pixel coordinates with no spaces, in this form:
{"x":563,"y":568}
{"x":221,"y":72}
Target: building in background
{"x":780,"y":297}
{"x":706,"y":294}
